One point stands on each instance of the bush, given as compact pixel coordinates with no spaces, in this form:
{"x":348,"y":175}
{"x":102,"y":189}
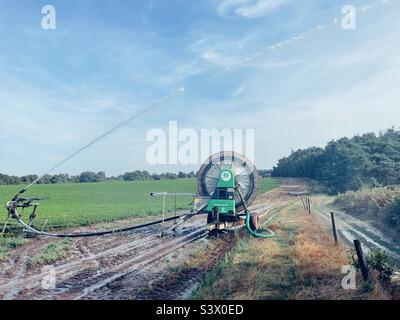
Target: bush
{"x":366,"y":201}
{"x":393,"y":212}
{"x":378,"y":260}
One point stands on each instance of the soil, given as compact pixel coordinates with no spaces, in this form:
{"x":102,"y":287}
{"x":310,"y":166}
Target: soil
{"x":350,"y":227}
{"x":134,"y":265}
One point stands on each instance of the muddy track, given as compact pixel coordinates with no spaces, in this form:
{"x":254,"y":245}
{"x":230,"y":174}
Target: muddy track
{"x":103,"y":267}
{"x":351,"y":228}
{"x":95,"y":268}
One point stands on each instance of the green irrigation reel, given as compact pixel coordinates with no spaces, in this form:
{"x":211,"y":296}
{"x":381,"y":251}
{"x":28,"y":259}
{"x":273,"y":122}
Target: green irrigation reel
{"x":228,"y":183}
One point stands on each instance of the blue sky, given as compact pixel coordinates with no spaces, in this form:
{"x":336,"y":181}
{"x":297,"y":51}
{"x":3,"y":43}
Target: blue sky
{"x":282,"y":67}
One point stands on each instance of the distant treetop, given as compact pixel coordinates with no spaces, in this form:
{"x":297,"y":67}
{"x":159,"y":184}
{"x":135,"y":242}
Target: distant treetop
{"x":348,"y":164}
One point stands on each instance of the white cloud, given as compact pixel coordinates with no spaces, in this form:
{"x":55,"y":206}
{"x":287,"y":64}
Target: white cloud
{"x":249,"y":8}
{"x":260,"y":8}
{"x":219,"y":59}
{"x":227,"y":5}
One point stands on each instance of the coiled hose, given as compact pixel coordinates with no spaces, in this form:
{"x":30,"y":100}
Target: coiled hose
{"x":270,"y":234}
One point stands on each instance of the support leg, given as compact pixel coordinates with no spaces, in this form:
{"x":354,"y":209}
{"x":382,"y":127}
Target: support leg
{"x":5,"y":224}
{"x":32,"y":215}
{"x":176,"y":225}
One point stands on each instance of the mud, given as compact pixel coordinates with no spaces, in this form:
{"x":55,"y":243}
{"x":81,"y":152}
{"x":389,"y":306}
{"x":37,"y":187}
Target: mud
{"x":135,"y":265}
{"x":351,"y":228}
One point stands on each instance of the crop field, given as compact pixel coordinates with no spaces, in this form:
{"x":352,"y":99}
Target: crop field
{"x":79,"y":204}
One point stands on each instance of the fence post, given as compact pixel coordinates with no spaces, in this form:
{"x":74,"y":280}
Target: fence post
{"x":335,"y":237}
{"x":163,"y":209}
{"x":361,"y":260}
{"x":175,"y":208}
{"x":304,"y":205}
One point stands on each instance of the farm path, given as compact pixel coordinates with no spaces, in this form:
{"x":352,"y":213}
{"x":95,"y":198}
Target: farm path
{"x":350,"y":228}
{"x":136,"y":265}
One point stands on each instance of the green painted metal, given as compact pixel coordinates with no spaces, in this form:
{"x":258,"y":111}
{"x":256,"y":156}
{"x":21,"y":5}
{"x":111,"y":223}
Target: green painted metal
{"x":223,"y":198}
{"x":223,"y":201}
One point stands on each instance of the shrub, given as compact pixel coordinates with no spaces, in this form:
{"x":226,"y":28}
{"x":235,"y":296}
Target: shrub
{"x":393,"y":212}
{"x":379,"y":261}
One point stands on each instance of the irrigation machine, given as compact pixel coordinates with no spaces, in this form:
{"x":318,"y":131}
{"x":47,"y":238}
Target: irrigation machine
{"x":227,"y":183}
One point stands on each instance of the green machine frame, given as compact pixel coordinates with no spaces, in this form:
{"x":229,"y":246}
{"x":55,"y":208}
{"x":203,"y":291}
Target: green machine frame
{"x":221,"y":206}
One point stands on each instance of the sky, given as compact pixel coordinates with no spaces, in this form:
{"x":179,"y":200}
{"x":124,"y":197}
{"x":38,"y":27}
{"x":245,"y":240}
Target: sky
{"x":285,"y":68}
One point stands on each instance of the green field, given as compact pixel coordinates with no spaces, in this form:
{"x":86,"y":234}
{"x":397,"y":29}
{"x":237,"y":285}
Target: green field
{"x":267,"y":184}
{"x":86,"y":203}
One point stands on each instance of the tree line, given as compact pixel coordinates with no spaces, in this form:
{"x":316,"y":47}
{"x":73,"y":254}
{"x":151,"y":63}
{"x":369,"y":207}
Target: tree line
{"x":89,"y":176}
{"x":349,"y":163}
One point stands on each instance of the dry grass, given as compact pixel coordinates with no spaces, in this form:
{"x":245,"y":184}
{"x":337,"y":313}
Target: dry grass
{"x":318,"y":267}
{"x":254,"y":269}
{"x":301,"y":262}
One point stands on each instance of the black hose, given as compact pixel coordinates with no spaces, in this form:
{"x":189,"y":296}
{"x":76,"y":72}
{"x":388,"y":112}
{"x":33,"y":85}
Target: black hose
{"x":97,"y":233}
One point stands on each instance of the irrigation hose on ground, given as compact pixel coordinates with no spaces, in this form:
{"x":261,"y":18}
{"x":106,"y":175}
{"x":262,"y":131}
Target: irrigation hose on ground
{"x":253,"y":233}
{"x":30,"y":229}
{"x":270,"y":233}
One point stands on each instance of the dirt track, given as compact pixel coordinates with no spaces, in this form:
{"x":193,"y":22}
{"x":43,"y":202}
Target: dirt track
{"x":132,"y":265}
{"x":351,"y":228}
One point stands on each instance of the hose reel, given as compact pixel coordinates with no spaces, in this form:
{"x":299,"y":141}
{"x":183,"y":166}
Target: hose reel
{"x":246,"y":176}
{"x":231,"y":182}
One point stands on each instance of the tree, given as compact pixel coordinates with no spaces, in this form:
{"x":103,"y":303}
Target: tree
{"x":348,"y":164}
{"x":87,"y":176}
{"x":100,"y":176}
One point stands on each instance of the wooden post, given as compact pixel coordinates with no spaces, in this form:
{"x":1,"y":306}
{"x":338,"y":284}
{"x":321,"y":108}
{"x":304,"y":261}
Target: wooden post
{"x":361,"y":260}
{"x":163,"y":208}
{"x":175,"y":208}
{"x":304,"y":205}
{"x":335,"y":237}
{"x":5,"y":224}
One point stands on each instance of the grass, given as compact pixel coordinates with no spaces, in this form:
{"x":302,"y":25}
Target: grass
{"x":301,"y":262}
{"x":82,"y":204}
{"x":267,"y":184}
{"x":254,"y":269}
{"x":9,"y":243}
{"x":51,"y":253}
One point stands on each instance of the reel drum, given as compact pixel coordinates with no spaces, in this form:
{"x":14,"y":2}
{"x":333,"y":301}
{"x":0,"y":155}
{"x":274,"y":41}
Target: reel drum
{"x":246,"y":175}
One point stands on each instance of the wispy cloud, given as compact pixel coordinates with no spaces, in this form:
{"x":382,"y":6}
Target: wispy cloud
{"x":260,"y":8}
{"x":249,"y":8}
{"x":295,"y":87}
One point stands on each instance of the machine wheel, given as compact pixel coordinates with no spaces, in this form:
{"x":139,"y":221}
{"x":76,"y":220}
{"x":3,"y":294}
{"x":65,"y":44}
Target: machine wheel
{"x":245,"y":173}
{"x":254,"y":222}
{"x":210,"y":218}
{"x":213,"y":216}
